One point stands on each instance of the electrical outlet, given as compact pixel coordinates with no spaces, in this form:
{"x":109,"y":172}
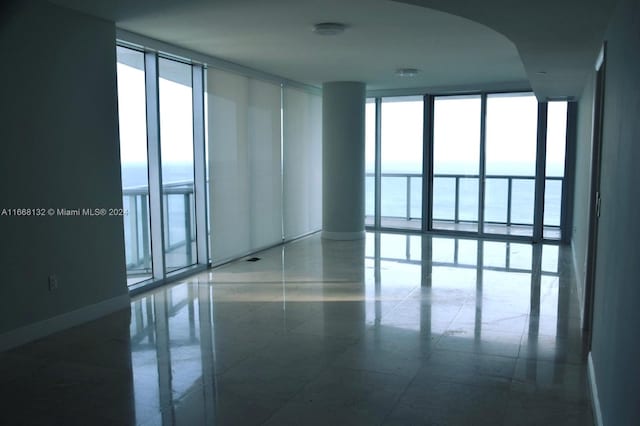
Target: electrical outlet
{"x":53,"y":282}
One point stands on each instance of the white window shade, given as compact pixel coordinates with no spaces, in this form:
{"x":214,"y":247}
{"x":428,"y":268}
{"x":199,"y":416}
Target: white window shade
{"x":244,"y":164}
{"x":264,"y":162}
{"x":302,"y":127}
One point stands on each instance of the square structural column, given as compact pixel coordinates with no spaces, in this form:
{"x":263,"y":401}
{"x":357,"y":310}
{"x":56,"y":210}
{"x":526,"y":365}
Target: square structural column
{"x":343,"y":115}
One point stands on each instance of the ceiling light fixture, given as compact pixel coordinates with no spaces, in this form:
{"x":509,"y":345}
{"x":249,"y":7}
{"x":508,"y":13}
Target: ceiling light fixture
{"x":407,"y":72}
{"x":329,"y":28}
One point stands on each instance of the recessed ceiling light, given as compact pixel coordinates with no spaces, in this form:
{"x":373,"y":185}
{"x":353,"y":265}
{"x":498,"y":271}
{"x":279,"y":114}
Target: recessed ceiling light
{"x":407,"y":72}
{"x":329,"y":28}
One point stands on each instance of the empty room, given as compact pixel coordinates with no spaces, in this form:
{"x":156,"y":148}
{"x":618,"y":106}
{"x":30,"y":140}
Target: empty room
{"x":366,"y":212}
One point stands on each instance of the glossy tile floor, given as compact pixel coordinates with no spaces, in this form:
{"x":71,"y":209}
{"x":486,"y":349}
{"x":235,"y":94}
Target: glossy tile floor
{"x":395,"y":330}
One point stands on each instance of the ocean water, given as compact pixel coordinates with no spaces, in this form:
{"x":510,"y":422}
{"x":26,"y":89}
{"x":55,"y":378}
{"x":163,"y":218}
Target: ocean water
{"x":394,"y":197}
{"x":395,"y":193}
{"x":135,"y":175}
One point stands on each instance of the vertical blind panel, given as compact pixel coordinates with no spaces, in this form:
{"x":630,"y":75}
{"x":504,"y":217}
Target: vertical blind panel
{"x":244,"y":164}
{"x":264,"y":164}
{"x":302,"y":146}
{"x":315,"y":160}
{"x":228,"y":104}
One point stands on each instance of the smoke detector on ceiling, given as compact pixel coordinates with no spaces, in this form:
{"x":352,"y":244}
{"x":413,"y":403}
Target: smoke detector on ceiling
{"x":329,"y":28}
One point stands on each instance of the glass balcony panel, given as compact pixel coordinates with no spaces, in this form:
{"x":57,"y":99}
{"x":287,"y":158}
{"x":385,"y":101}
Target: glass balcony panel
{"x":444,"y":198}
{"x":496,"y":195}
{"x":522,"y":201}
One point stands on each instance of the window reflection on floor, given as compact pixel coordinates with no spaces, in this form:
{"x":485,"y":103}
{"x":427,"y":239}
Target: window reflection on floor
{"x":487,"y":278}
{"x":229,"y":340}
{"x":168,"y":331}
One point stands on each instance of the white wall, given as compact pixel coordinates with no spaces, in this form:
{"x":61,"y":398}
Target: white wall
{"x":580,"y":221}
{"x":59,"y":139}
{"x":616,"y":319}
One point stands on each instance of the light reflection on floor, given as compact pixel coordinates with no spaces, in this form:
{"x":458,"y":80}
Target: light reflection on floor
{"x":395,"y":329}
{"x":384,"y":306}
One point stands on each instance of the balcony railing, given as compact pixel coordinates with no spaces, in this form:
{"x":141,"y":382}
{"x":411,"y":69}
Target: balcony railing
{"x":440,"y":205}
{"x":178,"y":223}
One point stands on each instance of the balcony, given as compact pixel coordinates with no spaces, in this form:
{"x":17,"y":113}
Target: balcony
{"x":455,"y":206}
{"x":179,"y":229}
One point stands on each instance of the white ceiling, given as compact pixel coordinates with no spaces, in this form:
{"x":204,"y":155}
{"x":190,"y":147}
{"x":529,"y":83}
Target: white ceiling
{"x":451,"y":51}
{"x":561,"y":38}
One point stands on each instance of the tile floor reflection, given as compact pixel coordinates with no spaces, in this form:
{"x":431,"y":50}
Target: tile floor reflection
{"x":394,"y":330}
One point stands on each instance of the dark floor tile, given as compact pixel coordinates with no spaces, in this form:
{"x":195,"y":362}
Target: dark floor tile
{"x":468,"y":368}
{"x":343,"y":397}
{"x":434,"y":402}
{"x":528,"y":410}
{"x":566,"y":382}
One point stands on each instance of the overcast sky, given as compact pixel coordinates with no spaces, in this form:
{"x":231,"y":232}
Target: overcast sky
{"x":511,"y":130}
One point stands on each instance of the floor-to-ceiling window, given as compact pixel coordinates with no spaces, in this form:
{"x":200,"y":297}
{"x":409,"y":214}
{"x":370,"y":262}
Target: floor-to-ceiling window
{"x":554,"y":167}
{"x":370,"y":161}
{"x":176,"y":147}
{"x":401,"y":162}
{"x":511,"y":137}
{"x":456,"y":162}
{"x":161,"y":133}
{"x":238,"y":144}
{"x":176,"y":144}
{"x":484,"y":159}
{"x":133,"y":154}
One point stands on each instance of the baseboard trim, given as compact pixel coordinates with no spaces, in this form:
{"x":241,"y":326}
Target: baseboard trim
{"x":343,"y":236}
{"x":40,"y":329}
{"x":579,"y":281}
{"x":593,"y":387}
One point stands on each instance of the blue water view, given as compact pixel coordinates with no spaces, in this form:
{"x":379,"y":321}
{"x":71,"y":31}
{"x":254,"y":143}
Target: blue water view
{"x":135,"y":174}
{"x":135,"y":189}
{"x":395,"y":192}
{"x":394,"y":199}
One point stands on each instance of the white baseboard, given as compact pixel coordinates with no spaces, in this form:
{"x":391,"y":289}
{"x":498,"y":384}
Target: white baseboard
{"x":579,"y":280}
{"x":219,"y":262}
{"x":343,"y":236}
{"x":593,"y":387}
{"x":37,"y":330}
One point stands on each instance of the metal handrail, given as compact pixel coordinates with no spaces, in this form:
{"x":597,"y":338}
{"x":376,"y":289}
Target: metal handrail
{"x":178,"y":187}
{"x":138,"y":218}
{"x":457,"y":178}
